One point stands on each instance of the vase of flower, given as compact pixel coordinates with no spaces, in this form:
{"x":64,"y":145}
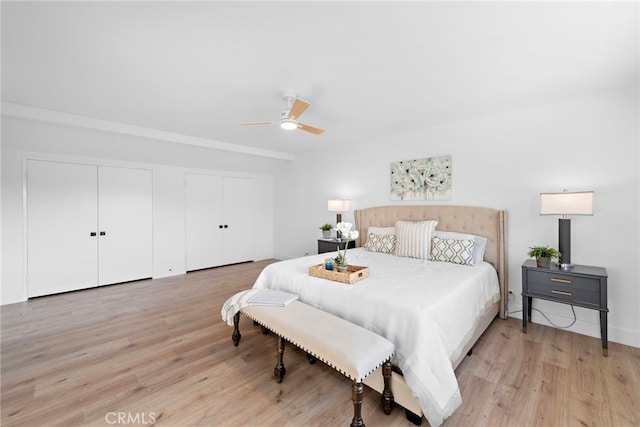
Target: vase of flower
{"x":347,"y":234}
{"x":341,"y":261}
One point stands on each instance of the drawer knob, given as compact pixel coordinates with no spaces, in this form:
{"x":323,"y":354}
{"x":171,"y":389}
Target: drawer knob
{"x":553,"y":291}
{"x":553,"y":279}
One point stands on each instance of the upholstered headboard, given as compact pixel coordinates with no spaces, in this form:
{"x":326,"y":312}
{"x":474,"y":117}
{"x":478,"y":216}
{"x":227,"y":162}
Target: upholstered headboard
{"x":490,"y":223}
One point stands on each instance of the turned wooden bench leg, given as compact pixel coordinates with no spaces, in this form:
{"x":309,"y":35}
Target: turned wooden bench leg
{"x":236,"y":329}
{"x":265,"y":331}
{"x":357,"y":396}
{"x":387,"y":394}
{"x":280,"y":370}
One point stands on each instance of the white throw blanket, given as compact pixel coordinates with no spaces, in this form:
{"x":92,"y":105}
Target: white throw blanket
{"x":254,"y":297}
{"x":428,"y":310}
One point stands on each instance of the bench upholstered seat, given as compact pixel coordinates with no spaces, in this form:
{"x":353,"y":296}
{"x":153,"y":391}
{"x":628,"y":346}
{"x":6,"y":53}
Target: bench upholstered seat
{"x":350,"y":349}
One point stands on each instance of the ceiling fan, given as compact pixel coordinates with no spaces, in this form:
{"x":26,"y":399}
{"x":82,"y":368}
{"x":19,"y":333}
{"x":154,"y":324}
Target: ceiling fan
{"x":289,"y":117}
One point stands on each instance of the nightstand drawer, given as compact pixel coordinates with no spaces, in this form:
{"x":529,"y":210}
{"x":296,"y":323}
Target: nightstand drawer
{"x":332,"y":245}
{"x":564,"y":282}
{"x":565,"y":293}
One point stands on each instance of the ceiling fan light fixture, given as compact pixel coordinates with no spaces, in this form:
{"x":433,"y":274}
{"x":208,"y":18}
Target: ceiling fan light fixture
{"x":289,"y":117}
{"x":288,"y":124}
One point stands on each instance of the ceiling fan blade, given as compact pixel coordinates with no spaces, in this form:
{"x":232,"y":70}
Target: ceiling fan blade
{"x":297,"y":109}
{"x":255,"y":123}
{"x":311,"y":129}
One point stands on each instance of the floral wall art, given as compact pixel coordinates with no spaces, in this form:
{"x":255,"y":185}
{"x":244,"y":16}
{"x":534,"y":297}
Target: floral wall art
{"x":423,"y":179}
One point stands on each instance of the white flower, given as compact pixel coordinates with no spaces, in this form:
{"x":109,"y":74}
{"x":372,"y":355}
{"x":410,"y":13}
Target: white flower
{"x":344,"y":227}
{"x":347,"y":234}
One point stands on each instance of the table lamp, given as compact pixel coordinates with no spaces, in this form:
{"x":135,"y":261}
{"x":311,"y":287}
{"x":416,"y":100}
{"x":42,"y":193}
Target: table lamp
{"x":338,"y":206}
{"x":566,"y":203}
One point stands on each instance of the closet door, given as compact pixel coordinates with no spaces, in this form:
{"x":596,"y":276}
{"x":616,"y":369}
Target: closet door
{"x":238,"y":216}
{"x":125,"y":212}
{"x":62,"y":247}
{"x":205,"y":221}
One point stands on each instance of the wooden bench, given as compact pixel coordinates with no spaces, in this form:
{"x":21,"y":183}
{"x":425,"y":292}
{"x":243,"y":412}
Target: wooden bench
{"x":350,"y":349}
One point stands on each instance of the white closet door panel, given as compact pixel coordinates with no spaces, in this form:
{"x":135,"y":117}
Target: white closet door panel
{"x":125,"y":212}
{"x":61,"y":215}
{"x":204,"y":216}
{"x":239,"y":209}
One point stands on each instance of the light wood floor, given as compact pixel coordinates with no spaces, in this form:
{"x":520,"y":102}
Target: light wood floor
{"x":158,"y":351}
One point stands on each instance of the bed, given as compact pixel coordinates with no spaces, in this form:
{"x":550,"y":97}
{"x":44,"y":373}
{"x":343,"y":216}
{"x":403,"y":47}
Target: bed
{"x":432,"y":311}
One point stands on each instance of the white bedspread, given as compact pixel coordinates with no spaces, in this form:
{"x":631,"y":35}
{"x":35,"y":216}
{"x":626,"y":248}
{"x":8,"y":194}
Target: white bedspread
{"x":427,"y":309}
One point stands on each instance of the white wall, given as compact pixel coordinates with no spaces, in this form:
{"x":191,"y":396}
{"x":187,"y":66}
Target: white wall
{"x":169,"y":163}
{"x":503,"y":162}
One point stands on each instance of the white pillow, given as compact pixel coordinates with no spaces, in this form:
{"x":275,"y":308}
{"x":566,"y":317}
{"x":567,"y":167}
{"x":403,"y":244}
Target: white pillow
{"x":381,"y":231}
{"x":457,"y":251}
{"x":479,"y":242}
{"x":413,"y":239}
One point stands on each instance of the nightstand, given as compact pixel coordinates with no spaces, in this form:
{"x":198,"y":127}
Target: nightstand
{"x":331,"y":245}
{"x":582,"y":286}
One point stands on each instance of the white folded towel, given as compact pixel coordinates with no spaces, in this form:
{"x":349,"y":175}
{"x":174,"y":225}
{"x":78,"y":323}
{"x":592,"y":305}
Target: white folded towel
{"x":254,"y":297}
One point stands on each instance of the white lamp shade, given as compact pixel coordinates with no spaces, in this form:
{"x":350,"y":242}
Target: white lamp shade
{"x":580,"y":203}
{"x":338,"y":205}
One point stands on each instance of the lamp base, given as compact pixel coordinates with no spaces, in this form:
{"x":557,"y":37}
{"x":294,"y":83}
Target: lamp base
{"x":564,"y":241}
{"x":565,"y":266}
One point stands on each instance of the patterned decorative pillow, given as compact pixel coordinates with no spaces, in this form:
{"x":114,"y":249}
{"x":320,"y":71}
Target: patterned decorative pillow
{"x":479,"y":242}
{"x":385,"y":243}
{"x":413,"y":239}
{"x":452,"y":250}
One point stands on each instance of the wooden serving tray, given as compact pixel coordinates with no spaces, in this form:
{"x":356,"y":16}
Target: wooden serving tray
{"x":353,"y":274}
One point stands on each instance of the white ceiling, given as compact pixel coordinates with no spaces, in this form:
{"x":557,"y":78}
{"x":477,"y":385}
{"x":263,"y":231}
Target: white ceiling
{"x":368,"y":68}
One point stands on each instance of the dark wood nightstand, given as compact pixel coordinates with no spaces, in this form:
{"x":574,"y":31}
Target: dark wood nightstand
{"x":582,"y":286}
{"x":331,"y":245}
